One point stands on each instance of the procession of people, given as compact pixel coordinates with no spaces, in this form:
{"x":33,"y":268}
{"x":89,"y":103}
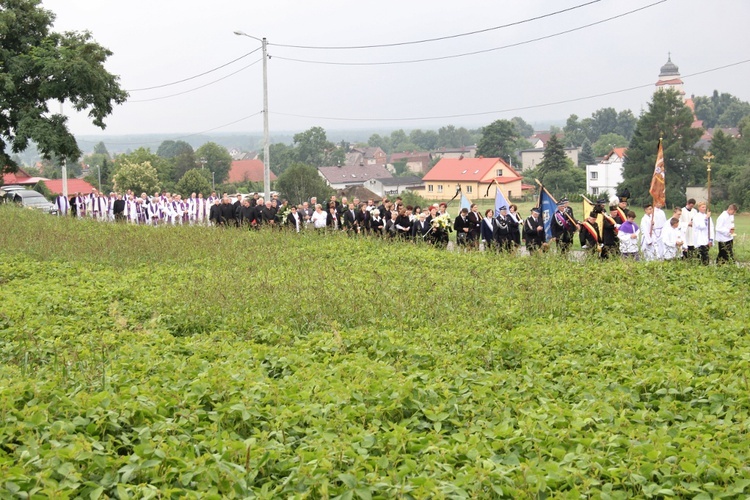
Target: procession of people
{"x":608,"y":231}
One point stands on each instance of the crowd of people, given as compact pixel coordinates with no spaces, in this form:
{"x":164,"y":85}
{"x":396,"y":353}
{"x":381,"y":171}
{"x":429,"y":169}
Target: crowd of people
{"x":689,"y":233}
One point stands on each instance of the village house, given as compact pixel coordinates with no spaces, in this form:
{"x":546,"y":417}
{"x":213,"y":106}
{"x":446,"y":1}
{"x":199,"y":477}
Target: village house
{"x":604,"y":177}
{"x":474,"y":176}
{"x":394,"y":186}
{"x":247,"y":170}
{"x":343,"y":176}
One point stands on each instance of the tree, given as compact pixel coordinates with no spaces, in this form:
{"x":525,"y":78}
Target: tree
{"x":667,"y":116}
{"x":606,"y":142}
{"x":101,"y":149}
{"x":182,"y":163}
{"x":378,"y":141}
{"x":38,"y":66}
{"x":138,"y":177}
{"x":300,"y":182}
{"x":452,"y":137}
{"x":216,"y":158}
{"x":194,"y":181}
{"x":498,"y":141}
{"x":625,"y":124}
{"x":565,"y":182}
{"x":586,"y":157}
{"x":554,"y":158}
{"x":171,"y":149}
{"x":575,"y":132}
{"x":426,"y":140}
{"x":604,"y":122}
{"x":313,"y":148}
{"x":524,"y":129}
{"x":282,"y":155}
{"x":723,"y":148}
{"x":724,"y":110}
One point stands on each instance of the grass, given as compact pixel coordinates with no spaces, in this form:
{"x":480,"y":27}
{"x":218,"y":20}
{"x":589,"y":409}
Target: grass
{"x":198,"y":362}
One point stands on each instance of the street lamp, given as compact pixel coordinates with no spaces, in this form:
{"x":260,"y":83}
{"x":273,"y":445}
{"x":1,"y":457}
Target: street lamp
{"x":266,"y":144}
{"x":99,"y":169}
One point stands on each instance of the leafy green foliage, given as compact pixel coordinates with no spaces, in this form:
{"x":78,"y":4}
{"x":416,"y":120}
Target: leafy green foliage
{"x":606,"y":142}
{"x":498,"y":141}
{"x":721,"y":110}
{"x":215,"y":158}
{"x":134,"y":370}
{"x":300,"y":182}
{"x":197,"y":180}
{"x":40,"y":67}
{"x":667,"y":116}
{"x":137,"y":177}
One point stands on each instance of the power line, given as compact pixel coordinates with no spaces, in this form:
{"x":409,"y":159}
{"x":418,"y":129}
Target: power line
{"x":454,"y":56}
{"x":436,"y":39}
{"x":195,"y":76}
{"x":508,"y":110}
{"x":197,"y":88}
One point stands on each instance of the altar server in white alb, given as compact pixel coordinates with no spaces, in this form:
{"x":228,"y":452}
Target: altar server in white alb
{"x":687,"y":214}
{"x":703,"y":232}
{"x":673,"y":239}
{"x":725,"y":235}
{"x":649,"y":240}
{"x":660,"y":222}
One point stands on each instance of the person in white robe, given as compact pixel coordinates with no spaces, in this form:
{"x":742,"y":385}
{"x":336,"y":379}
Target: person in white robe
{"x":672,"y":239}
{"x":687,"y":214}
{"x":703,"y":232}
{"x":660,"y":221}
{"x":62,"y":204}
{"x":649,"y":245}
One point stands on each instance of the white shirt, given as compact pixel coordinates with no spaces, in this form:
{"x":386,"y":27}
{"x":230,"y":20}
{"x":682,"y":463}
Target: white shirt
{"x":673,"y":241}
{"x":703,"y":230}
{"x":319,"y":219}
{"x":724,"y":225}
{"x":686,"y":218}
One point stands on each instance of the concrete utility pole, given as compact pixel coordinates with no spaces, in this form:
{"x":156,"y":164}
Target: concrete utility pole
{"x":64,"y":168}
{"x":266,"y":143}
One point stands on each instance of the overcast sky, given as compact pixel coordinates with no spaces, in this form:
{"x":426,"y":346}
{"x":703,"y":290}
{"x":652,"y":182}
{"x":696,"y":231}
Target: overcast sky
{"x":157,"y":42}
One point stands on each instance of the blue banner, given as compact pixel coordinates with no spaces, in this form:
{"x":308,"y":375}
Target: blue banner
{"x":548,"y":206}
{"x":500,"y":201}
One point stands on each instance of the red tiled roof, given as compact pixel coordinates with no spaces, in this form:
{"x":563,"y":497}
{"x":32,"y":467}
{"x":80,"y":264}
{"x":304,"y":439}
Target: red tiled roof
{"x":19,"y":177}
{"x":620,"y":152}
{"x":673,"y":81}
{"x":74,"y":186}
{"x":466,"y":169}
{"x":247,"y":170}
{"x":527,"y":187}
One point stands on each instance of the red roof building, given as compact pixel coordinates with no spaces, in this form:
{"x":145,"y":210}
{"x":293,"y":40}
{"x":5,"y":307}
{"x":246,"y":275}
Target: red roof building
{"x":247,"y":170}
{"x":472,"y":175}
{"x":74,"y":186}
{"x":20,"y":177}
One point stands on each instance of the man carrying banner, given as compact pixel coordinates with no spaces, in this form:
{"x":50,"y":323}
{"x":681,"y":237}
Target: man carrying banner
{"x":533,"y":231}
{"x":562,"y":228}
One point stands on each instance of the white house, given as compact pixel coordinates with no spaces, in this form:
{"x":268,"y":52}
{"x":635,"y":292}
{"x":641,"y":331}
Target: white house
{"x":531,"y":158}
{"x":394,"y":186}
{"x":604,"y":177}
{"x":343,"y":176}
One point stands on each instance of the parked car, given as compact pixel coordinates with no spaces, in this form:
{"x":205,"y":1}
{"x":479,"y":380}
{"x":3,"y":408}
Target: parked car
{"x":31,"y":199}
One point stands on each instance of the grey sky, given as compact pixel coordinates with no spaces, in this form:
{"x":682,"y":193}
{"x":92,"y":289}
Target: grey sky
{"x":160,"y":41}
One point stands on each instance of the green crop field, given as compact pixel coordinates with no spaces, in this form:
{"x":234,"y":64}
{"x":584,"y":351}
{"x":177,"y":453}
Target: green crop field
{"x":140,"y":362}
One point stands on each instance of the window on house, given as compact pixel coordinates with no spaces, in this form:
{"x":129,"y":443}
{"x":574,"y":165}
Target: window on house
{"x":499,"y":172}
{"x":510,"y":193}
{"x":469,"y":189}
{"x":594,"y":190}
{"x":429,"y":188}
{"x":594,"y":176}
{"x":440,"y":188}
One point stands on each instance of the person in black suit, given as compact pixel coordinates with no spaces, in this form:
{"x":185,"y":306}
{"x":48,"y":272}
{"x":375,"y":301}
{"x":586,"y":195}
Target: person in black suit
{"x":227,"y":212}
{"x":403,"y":223}
{"x":246,"y":214}
{"x":487,"y":229}
{"x":533,"y":231}
{"x":475,"y":223}
{"x":421,"y":228}
{"x":462,"y":226}
{"x":377,"y":223}
{"x":294,"y":219}
{"x":351,"y":219}
{"x":118,"y":209}
{"x":363,"y":219}
{"x":214,"y":213}
{"x":503,"y":235}
{"x":264,"y":214}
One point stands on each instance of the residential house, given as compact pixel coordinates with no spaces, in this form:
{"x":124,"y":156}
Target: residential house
{"x":463,"y":152}
{"x":474,"y":176}
{"x":343,"y":176}
{"x":394,"y":186}
{"x":417,"y":162}
{"x":366,"y":156}
{"x":531,"y":158}
{"x":247,"y":170}
{"x":604,"y":177}
{"x":74,"y":186}
{"x":20,"y":178}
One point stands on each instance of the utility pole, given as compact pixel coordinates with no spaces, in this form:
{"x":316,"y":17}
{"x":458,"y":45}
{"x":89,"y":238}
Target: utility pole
{"x":266,"y":143}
